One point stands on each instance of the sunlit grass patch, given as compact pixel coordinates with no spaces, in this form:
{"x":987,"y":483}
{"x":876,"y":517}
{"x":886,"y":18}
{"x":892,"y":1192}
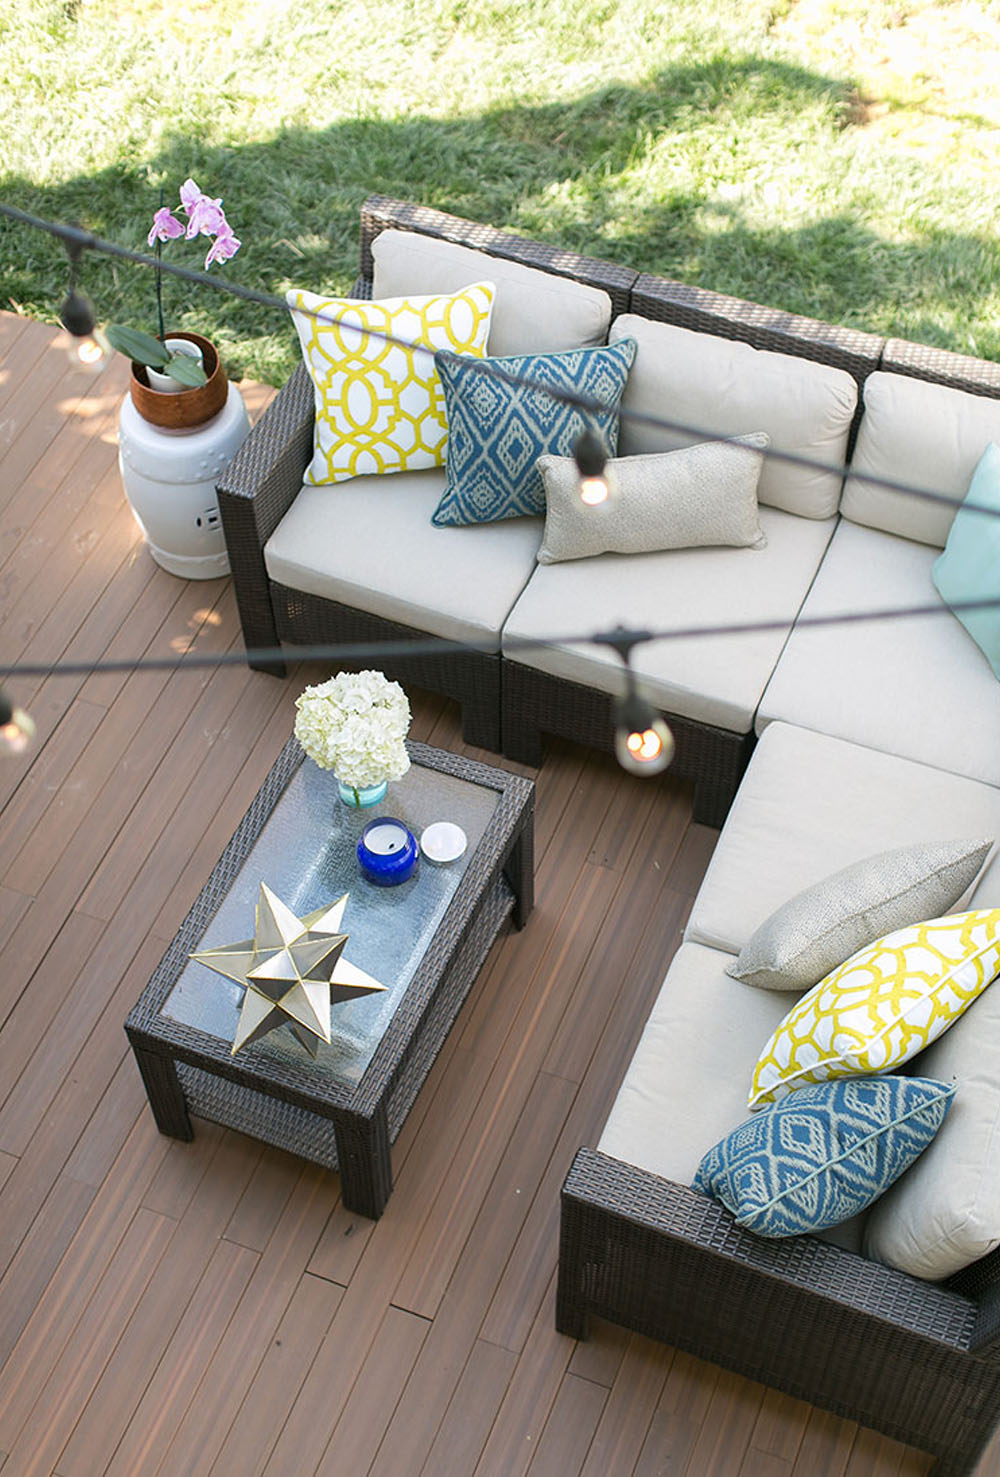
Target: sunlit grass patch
{"x":833,"y":157}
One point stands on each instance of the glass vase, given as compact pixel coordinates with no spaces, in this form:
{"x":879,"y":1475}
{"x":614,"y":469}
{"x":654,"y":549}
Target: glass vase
{"x":358,"y":796}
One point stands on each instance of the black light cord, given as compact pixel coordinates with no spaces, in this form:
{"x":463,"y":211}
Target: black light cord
{"x":353,"y":653}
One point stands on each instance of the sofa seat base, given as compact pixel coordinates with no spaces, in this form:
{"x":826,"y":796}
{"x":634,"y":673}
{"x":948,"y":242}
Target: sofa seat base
{"x":709,"y":679}
{"x":471,"y":678}
{"x":369,"y":543}
{"x":535,"y":703}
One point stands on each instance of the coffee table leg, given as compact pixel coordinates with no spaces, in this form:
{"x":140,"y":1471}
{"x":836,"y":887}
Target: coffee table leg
{"x":519,"y":869}
{"x":363,"y":1156}
{"x":166,"y":1097}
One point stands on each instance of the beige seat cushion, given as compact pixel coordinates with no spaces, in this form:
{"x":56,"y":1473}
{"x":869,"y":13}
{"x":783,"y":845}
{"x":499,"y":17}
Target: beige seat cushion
{"x":927,"y":436}
{"x":686,"y":1086}
{"x":919,"y":687}
{"x":534,"y":312}
{"x":809,"y":805}
{"x":369,"y":543}
{"x":716,"y":680}
{"x":725,"y":388}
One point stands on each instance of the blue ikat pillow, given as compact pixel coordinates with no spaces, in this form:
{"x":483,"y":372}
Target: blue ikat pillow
{"x":823,"y":1153}
{"x":499,"y":424}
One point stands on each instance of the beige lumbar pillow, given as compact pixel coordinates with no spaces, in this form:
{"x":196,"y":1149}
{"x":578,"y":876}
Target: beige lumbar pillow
{"x":700,"y":495}
{"x":807,"y":937}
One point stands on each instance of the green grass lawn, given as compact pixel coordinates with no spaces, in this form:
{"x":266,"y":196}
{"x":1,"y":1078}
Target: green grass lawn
{"x":834,"y":157}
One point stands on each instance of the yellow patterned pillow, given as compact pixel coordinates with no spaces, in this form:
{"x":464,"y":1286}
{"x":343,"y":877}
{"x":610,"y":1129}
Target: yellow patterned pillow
{"x":379,"y":404}
{"x":883,"y":1005}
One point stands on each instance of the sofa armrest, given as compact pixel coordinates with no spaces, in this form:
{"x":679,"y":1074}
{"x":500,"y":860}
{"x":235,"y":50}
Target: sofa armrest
{"x":257,"y":489}
{"x":800,"y":1315}
{"x":679,"y":1231}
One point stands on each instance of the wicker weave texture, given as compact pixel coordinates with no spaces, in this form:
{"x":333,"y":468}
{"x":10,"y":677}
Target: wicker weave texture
{"x":940,"y":367}
{"x":703,"y":311}
{"x":800,"y":1315}
{"x":535,"y":703}
{"x":471,"y":678}
{"x":381,"y":212}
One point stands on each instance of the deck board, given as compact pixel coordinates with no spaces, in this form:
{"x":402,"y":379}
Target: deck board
{"x":211,"y":1307}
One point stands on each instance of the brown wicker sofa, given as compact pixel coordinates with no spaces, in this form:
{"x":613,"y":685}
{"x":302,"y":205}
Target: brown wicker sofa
{"x":512,"y":692}
{"x":917,"y":1359}
{"x":266,"y":476}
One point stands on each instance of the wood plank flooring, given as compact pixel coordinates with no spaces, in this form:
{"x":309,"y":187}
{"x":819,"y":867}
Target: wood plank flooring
{"x":211,"y":1307}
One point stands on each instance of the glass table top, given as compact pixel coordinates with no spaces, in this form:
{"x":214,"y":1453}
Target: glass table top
{"x":306,"y":853}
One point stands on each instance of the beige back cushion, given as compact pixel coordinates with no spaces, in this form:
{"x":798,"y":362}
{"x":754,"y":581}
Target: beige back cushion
{"x":534,"y":312}
{"x":921,"y":435}
{"x":722,"y":387}
{"x":945,"y":1211}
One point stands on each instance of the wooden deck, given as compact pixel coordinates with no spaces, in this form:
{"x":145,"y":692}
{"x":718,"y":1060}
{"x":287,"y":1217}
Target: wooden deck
{"x":210,"y":1307}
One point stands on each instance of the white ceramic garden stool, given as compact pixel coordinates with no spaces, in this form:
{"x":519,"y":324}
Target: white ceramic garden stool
{"x":170,"y":479}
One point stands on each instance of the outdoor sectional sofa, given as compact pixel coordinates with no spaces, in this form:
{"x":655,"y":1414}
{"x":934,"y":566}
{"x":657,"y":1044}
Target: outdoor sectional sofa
{"x":838,"y":739}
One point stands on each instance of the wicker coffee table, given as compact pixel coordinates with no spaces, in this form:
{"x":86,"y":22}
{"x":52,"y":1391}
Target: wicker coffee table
{"x":424,"y":939}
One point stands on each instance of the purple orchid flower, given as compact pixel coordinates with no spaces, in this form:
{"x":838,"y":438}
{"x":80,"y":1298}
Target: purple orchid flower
{"x":223,"y":247}
{"x":165,"y":227}
{"x":205,"y":215}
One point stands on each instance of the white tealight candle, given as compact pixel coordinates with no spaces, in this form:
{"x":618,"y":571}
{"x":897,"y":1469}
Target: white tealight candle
{"x":386,"y":837}
{"x":443,"y":842}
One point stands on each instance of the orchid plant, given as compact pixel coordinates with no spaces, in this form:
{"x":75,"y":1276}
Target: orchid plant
{"x":205,"y":217}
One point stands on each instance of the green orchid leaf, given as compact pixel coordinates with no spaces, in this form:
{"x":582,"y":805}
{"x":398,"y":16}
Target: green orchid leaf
{"x":185,"y":370}
{"x":142,"y":347}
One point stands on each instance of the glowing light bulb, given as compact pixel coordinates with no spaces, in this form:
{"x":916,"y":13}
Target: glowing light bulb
{"x":643,"y":742}
{"x":88,"y":353}
{"x":17,"y":732}
{"x":594,"y":490}
{"x":596,"y":483}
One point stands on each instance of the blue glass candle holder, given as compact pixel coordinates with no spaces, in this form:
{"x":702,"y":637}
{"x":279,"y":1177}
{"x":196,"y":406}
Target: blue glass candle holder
{"x":387,"y":852}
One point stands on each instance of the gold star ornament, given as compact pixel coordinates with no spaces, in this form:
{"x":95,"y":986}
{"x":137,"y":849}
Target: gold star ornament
{"x":291,"y":970}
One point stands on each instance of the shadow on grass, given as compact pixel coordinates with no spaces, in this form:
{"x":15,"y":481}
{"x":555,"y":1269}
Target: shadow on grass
{"x":294,"y":202}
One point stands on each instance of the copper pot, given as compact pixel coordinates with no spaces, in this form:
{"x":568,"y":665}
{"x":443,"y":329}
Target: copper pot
{"x":186,"y":408}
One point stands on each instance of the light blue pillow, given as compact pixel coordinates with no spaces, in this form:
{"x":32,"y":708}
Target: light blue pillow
{"x":969,"y":568}
{"x":498,"y":428}
{"x":823,"y":1153}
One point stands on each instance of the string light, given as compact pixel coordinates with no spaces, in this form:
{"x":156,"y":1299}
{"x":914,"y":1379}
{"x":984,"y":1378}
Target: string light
{"x":643,"y":742}
{"x":596,"y":483}
{"x":88,"y":348}
{"x":17,"y":728}
{"x":86,"y":241}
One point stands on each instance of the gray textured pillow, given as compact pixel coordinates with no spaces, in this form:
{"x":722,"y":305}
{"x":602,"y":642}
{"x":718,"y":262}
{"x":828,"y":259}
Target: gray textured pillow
{"x":704,"y":494}
{"x":821,"y":927}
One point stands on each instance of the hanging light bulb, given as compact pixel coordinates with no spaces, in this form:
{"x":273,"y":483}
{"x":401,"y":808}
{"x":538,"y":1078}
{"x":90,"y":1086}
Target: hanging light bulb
{"x":88,"y":347}
{"x":596,"y":483}
{"x":17,"y":728}
{"x":643,"y":742}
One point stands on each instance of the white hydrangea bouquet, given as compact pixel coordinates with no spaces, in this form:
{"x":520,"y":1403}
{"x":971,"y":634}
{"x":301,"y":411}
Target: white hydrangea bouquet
{"x":355,"y":724}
